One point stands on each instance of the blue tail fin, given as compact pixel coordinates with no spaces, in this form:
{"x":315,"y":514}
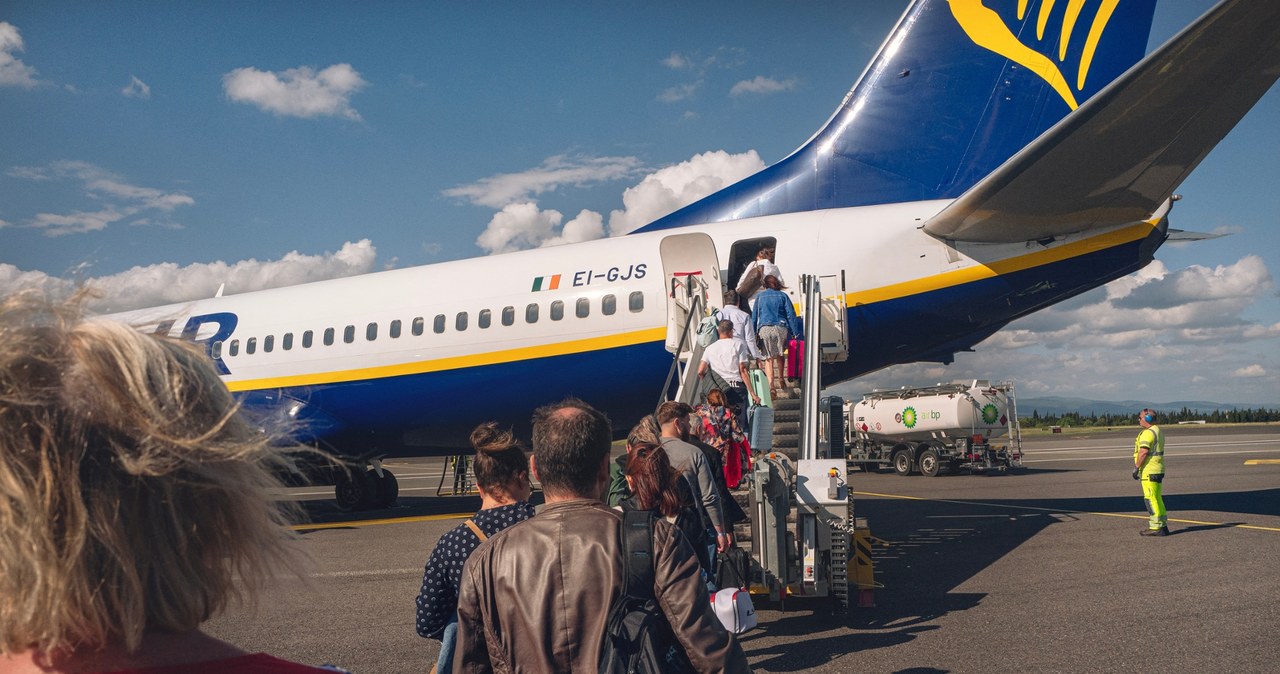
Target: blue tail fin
{"x":956,"y":90}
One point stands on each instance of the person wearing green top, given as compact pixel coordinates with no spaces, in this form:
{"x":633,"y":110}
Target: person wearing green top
{"x":1148,"y":461}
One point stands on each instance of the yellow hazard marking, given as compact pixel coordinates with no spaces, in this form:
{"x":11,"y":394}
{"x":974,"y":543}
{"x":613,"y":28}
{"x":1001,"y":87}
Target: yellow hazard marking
{"x":1261,"y":462}
{"x":1064,"y":510}
{"x":369,"y":523}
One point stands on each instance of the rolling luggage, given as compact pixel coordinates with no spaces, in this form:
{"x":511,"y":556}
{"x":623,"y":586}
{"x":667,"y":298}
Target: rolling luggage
{"x":760,"y":386}
{"x":795,"y":358}
{"x":761,"y":437}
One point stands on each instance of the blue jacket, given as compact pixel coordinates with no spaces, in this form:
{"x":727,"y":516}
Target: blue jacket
{"x":773,"y":307}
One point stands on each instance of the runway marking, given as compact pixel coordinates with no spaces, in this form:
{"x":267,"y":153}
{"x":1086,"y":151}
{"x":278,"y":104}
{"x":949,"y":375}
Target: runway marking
{"x":1064,"y":511}
{"x":1167,"y":453}
{"x":1261,"y":462}
{"x":1168,"y":445}
{"x":369,"y":523}
{"x":358,"y":574}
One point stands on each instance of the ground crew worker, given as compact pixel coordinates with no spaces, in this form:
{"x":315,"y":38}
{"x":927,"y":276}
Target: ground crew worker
{"x":1148,"y":461}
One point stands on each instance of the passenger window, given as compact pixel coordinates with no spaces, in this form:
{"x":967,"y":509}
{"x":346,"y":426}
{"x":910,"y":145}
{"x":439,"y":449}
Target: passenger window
{"x":557,"y":310}
{"x":349,"y":334}
{"x":636,"y":302}
{"x":250,"y":346}
{"x":328,"y":336}
{"x":235,"y":347}
{"x":371,"y":332}
{"x":460,"y":321}
{"x":608,"y":305}
{"x":394,"y":330}
{"x":418,"y":324}
{"x":485,"y":317}
{"x":307,"y":338}
{"x":438,"y":324}
{"x":217,"y":349}
{"x":268,"y":343}
{"x":508,"y":315}
{"x":286,"y":342}
{"x":584,"y":307}
{"x":531,"y":313}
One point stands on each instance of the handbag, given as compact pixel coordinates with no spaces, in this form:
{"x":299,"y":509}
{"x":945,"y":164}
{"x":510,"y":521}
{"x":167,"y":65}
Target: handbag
{"x":734,"y":609}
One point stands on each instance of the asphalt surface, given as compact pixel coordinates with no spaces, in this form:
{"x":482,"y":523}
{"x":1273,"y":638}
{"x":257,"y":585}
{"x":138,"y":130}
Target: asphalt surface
{"x":1040,"y":571}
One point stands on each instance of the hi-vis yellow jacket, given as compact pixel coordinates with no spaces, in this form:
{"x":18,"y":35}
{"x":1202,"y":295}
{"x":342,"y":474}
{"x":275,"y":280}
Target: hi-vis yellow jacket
{"x":1153,"y":440}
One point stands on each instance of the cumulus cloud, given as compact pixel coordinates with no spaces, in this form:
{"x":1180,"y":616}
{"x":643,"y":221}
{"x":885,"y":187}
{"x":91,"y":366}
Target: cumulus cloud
{"x":168,"y":283}
{"x":13,"y":72}
{"x":522,"y":224}
{"x":679,"y":185}
{"x":1245,"y":279}
{"x":677,"y":61}
{"x":1251,"y":371}
{"x":557,"y":171}
{"x":679,"y":93}
{"x":136,"y":88}
{"x":762,"y":85}
{"x":297,"y":92}
{"x":121,"y":200}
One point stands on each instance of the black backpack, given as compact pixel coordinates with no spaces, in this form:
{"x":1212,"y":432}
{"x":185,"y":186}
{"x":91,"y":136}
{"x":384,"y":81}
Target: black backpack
{"x":638,"y":637}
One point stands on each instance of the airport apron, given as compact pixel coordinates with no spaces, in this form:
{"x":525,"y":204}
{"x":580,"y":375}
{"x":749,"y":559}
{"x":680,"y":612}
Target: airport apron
{"x":1152,"y":475}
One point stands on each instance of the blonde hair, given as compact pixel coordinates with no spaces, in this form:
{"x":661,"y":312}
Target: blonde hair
{"x":133,"y":496}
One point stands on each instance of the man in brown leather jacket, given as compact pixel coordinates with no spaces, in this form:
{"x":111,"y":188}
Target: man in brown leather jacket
{"x":535,"y":598}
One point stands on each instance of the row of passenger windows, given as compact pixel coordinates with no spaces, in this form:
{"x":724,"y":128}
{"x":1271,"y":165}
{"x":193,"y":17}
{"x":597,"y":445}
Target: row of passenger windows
{"x":582,"y":309}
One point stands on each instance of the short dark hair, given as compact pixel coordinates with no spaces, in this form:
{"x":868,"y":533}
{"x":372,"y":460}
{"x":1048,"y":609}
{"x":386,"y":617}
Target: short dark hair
{"x":571,"y":439}
{"x":500,"y":457}
{"x":672,"y":409}
{"x":725,"y":327}
{"x":731,"y":298}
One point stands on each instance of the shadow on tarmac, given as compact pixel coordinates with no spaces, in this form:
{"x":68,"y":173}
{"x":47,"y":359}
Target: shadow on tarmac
{"x":935,"y":547}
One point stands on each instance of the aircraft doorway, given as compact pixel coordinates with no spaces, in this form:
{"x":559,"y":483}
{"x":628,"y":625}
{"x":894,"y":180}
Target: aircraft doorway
{"x":741,"y":254}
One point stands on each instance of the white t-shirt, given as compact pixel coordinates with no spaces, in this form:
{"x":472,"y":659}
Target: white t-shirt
{"x":724,"y":355}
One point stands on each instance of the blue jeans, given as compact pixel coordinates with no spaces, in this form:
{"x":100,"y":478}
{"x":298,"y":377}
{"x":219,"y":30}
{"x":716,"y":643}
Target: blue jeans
{"x":444,"y":663}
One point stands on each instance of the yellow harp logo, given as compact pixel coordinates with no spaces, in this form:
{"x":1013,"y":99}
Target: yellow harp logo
{"x":988,"y":30}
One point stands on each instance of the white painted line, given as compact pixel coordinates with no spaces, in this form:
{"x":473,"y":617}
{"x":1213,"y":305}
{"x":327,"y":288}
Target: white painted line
{"x":1167,"y":453}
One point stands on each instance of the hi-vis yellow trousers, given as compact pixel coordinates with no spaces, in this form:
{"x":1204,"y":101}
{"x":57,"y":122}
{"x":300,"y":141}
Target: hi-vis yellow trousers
{"x":1151,"y":494}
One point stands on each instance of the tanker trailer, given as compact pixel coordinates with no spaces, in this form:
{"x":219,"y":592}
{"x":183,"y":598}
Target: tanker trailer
{"x":943,"y":428}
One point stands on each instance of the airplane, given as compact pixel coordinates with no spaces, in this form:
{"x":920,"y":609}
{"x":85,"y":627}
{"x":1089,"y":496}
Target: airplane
{"x":988,"y":163}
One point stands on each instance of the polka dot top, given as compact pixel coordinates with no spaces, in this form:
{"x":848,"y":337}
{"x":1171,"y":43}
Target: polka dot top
{"x":438,"y":599}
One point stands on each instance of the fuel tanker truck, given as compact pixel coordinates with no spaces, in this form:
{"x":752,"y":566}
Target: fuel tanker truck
{"x":935,"y":429}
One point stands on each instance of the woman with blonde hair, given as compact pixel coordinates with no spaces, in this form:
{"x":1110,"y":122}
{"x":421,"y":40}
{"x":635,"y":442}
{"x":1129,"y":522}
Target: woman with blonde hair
{"x":135,"y":502}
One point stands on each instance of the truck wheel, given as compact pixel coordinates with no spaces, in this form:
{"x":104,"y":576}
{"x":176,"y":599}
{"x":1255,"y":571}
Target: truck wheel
{"x":929,"y":464}
{"x":902,"y":462}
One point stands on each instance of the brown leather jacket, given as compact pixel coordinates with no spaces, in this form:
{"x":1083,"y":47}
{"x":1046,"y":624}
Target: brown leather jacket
{"x":535,"y":598}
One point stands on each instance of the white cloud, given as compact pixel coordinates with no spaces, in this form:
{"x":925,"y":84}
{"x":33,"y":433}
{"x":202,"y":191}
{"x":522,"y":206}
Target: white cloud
{"x":579,"y":171}
{"x":517,"y":227}
{"x":1250,"y":371}
{"x":13,"y":72}
{"x":297,"y":92}
{"x":136,"y":88}
{"x":1245,"y":279}
{"x":168,"y":283}
{"x":679,"y":92}
{"x":762,"y":85}
{"x":679,"y":185}
{"x":677,"y":61}
{"x":120,"y":199}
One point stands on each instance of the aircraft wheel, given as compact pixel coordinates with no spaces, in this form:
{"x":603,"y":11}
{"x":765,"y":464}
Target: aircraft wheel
{"x":929,"y":464}
{"x":388,"y":489}
{"x":354,"y":489}
{"x":902,"y":462}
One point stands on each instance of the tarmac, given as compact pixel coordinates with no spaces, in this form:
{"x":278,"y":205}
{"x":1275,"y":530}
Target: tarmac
{"x":1041,"y":570}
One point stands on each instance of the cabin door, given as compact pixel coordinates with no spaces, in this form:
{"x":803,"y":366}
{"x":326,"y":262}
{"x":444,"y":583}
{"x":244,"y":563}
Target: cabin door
{"x":691,"y":270}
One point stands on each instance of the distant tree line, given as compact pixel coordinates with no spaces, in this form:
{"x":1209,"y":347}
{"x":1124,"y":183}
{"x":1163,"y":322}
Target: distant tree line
{"x":1075,"y":419}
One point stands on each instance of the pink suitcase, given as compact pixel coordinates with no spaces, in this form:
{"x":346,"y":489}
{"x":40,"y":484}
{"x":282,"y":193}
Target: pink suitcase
{"x":795,"y":358}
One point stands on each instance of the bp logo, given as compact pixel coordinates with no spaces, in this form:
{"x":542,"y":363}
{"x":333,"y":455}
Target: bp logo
{"x":909,"y":417}
{"x":990,"y":413}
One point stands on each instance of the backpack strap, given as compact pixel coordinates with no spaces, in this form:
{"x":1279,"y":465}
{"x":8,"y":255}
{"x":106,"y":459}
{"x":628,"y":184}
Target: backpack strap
{"x":475,"y":529}
{"x":637,"y":554}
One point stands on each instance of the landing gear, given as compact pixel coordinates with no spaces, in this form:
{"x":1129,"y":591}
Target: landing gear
{"x":356,"y":489}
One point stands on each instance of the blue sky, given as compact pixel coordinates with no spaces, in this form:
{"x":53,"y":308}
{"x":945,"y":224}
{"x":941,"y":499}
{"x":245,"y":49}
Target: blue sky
{"x":161,"y":149}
